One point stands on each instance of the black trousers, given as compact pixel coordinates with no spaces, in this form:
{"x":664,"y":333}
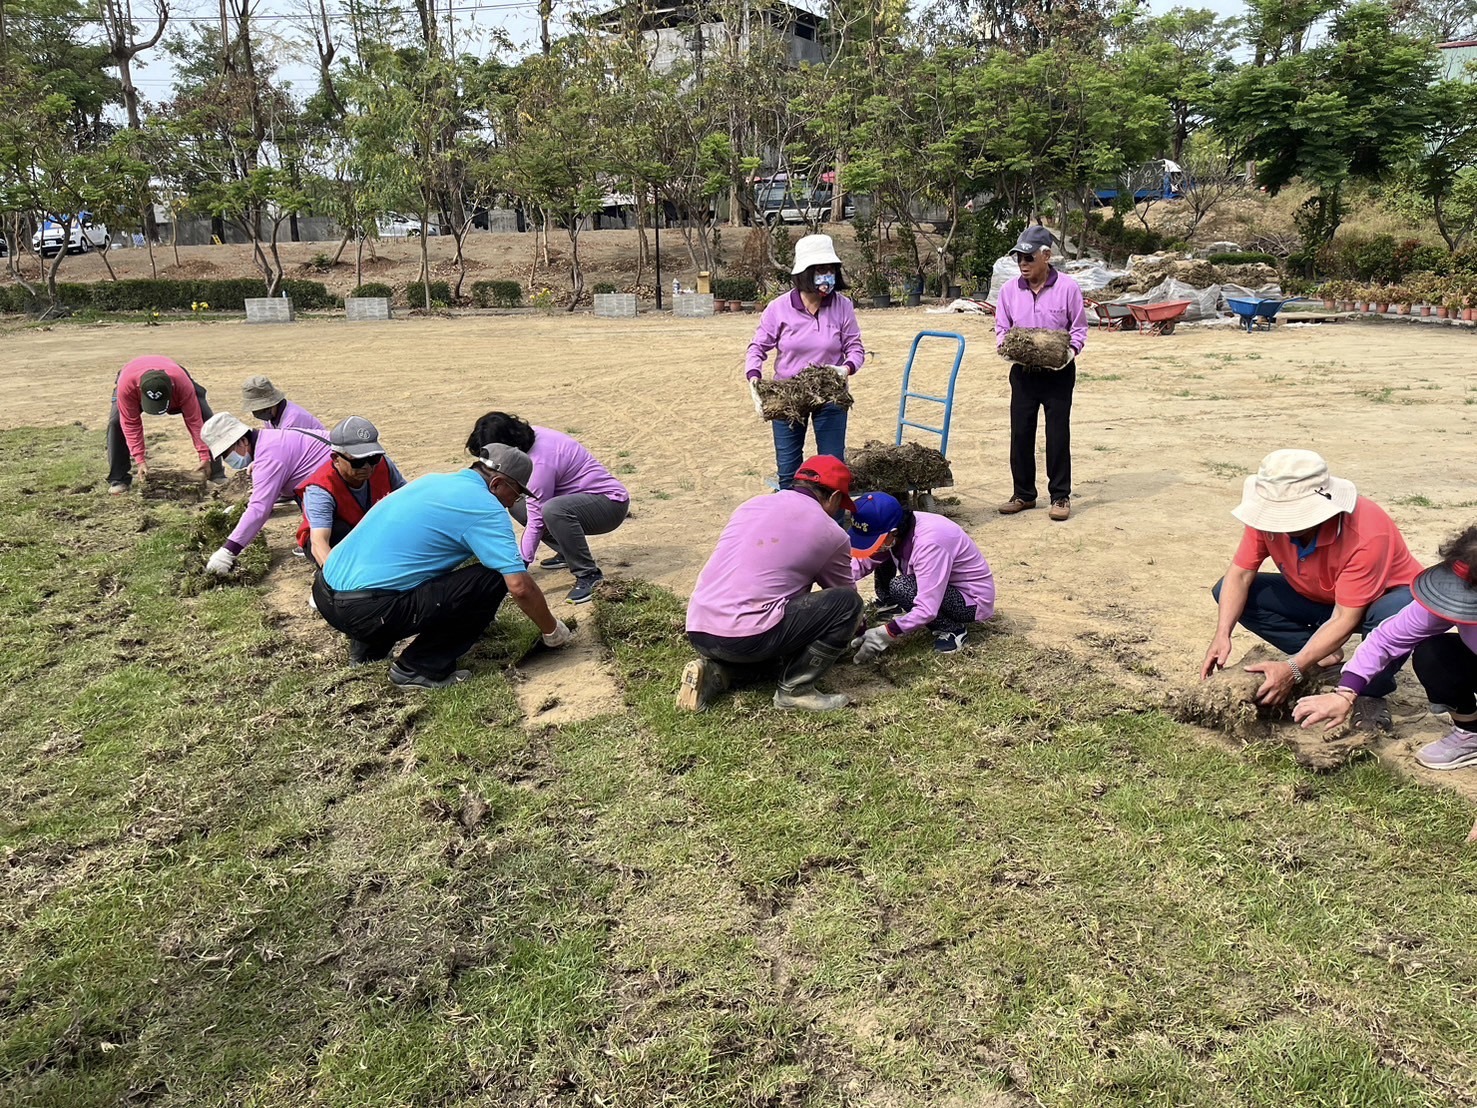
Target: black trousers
{"x":120,"y":462}
{"x":446,"y":614}
{"x":1448,"y":670}
{"x":1032,"y":390}
{"x":830,"y":616}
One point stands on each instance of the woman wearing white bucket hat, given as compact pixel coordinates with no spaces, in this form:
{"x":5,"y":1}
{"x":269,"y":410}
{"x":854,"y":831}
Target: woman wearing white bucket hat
{"x":1344,"y":567}
{"x":811,"y":325}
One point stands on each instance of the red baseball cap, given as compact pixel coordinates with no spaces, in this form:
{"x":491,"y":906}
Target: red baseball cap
{"x":829,"y":473}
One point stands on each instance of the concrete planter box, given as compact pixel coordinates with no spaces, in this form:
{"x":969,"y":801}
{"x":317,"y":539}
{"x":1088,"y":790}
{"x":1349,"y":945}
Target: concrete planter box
{"x":615,"y":305}
{"x":269,"y":309}
{"x":690,"y":304}
{"x":361,"y":308}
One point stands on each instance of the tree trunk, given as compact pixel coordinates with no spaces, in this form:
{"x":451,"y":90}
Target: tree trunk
{"x":576,"y":276}
{"x":359,"y":262}
{"x":339,"y":253}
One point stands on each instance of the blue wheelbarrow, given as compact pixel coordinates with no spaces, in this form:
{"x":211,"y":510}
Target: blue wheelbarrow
{"x":1261,"y":314}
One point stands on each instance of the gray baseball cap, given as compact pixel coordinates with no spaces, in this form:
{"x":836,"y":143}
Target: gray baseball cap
{"x":355,"y":437}
{"x":1032,"y":241}
{"x":511,"y":462}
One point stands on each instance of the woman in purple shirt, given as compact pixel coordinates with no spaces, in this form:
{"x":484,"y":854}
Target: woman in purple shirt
{"x":813,"y":324}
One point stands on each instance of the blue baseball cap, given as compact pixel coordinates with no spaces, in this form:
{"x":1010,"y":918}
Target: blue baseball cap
{"x":875,"y":516}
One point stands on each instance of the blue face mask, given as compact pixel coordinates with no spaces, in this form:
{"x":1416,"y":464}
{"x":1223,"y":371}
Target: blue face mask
{"x":825,"y":283}
{"x":237,"y":461}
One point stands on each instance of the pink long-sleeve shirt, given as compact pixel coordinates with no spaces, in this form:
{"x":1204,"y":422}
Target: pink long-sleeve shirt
{"x":939,"y":554}
{"x":773,"y":549}
{"x":562,"y":467}
{"x":1399,"y":635}
{"x":294,"y":415}
{"x":1057,"y":307}
{"x":182,"y":402}
{"x":799,"y":339}
{"x":280,"y":462}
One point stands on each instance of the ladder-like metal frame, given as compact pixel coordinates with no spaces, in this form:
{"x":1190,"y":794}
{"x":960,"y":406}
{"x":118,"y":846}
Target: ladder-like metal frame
{"x":947,"y":401}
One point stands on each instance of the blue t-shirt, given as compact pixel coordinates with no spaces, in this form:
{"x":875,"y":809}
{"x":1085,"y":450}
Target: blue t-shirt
{"x":426,"y":529}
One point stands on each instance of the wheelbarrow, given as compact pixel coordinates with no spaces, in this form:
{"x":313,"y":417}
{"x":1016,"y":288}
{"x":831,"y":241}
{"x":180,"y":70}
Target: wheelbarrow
{"x":1112,"y":317}
{"x":1258,"y":314}
{"x":1160,"y":318}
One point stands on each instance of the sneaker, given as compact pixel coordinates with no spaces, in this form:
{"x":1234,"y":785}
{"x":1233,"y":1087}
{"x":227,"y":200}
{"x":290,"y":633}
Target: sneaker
{"x":1456,"y":749}
{"x":117,"y":488}
{"x":556,"y":562}
{"x":702,"y":679}
{"x":886,"y":609}
{"x":949,"y":641}
{"x":584,"y":591}
{"x":409,"y":679}
{"x":299,"y":552}
{"x":1060,"y":510}
{"x":1016,"y":504}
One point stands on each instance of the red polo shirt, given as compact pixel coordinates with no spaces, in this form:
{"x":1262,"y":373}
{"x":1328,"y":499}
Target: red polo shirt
{"x":1358,"y":557}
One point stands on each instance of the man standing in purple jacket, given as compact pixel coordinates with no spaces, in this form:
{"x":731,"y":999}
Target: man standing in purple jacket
{"x":280,"y":461}
{"x":1043,"y":298}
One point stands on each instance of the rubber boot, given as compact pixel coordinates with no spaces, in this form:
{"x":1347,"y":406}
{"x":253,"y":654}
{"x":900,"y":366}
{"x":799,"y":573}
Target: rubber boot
{"x":797,"y":684}
{"x":702,"y":680}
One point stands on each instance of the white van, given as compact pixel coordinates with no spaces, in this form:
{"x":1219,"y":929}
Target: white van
{"x":84,"y":235}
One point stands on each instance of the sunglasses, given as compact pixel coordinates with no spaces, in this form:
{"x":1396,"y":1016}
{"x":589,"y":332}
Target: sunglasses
{"x":363,"y":463}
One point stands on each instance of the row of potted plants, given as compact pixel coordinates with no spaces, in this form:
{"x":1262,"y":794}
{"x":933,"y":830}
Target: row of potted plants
{"x":1422,"y":294}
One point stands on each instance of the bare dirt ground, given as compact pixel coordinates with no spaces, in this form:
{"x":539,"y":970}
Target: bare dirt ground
{"x":1164,"y":430}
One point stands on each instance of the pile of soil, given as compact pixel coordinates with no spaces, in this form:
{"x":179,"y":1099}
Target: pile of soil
{"x":884,"y":467}
{"x":211,"y":529}
{"x":1226,"y":701}
{"x":794,"y":398}
{"x":1037,"y":347}
{"x":191,"y":267}
{"x":169,"y":484}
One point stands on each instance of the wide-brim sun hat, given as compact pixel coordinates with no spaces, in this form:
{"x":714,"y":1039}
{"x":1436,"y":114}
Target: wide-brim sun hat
{"x":258,"y":394}
{"x":221,"y":432}
{"x":814,"y":250}
{"x":1446,"y":592}
{"x":1293,"y":491}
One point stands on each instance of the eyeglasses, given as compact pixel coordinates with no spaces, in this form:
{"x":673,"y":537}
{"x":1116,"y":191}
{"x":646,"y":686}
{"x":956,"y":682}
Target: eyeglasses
{"x":363,"y":463}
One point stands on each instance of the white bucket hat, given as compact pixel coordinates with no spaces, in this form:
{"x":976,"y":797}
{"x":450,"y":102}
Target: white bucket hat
{"x":1292,"y":491}
{"x":221,"y":432}
{"x":814,"y":250}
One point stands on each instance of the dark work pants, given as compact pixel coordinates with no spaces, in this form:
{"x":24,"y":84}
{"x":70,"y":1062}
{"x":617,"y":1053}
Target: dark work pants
{"x":1287,"y":619}
{"x":954,"y":614}
{"x":830,"y":616}
{"x":1030,"y":391}
{"x":1448,"y":670}
{"x":120,"y":463}
{"x":446,"y":614}
{"x":568,"y":519}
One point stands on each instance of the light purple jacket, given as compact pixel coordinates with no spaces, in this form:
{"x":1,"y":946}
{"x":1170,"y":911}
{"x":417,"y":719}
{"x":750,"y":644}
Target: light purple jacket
{"x":561,"y":466}
{"x":1396,"y":637}
{"x":799,"y":339}
{"x":939,"y":554}
{"x":280,"y":462}
{"x":295,"y":416}
{"x":1057,"y":307}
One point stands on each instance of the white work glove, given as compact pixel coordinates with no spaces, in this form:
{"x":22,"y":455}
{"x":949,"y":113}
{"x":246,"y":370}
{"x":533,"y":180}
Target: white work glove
{"x":221,"y":562}
{"x":873,"y":644}
{"x":754,"y":392}
{"x":841,"y":371}
{"x":559,"y":636}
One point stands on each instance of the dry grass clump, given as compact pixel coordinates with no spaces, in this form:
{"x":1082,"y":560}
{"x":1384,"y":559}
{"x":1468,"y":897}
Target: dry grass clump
{"x":895,"y":469}
{"x":1037,"y":347}
{"x":792,"y":399}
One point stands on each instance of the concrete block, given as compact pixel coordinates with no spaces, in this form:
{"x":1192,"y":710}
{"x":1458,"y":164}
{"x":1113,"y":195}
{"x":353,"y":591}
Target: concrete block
{"x":691,"y":304}
{"x":361,"y":308}
{"x":615,"y":305}
{"x":269,"y":309}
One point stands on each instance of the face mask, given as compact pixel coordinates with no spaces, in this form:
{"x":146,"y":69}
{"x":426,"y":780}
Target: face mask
{"x":237,"y":461}
{"x":825,"y":283}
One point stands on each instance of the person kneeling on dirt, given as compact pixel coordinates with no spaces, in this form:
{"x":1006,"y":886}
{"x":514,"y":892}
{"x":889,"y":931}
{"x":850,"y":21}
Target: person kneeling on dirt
{"x":280,"y":461}
{"x":153,"y":385}
{"x":268,"y":404}
{"x":395,"y":574}
{"x":571,"y":495}
{"x":1344,"y":568}
{"x":753,"y":601}
{"x":356,"y":477}
{"x":927,"y":572}
{"x":1446,"y":665}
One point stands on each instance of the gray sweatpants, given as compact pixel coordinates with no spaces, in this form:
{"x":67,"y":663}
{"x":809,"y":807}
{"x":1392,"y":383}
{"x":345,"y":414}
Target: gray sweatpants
{"x":568,"y":519}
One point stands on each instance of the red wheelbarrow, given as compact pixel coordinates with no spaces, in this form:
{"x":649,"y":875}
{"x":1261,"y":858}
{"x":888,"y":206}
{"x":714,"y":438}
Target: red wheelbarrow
{"x":1158,"y":319}
{"x":1111,"y":317}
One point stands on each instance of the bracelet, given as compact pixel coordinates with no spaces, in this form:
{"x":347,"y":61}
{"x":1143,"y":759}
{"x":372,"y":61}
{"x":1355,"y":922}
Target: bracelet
{"x":1353,"y":696}
{"x":1297,"y":672}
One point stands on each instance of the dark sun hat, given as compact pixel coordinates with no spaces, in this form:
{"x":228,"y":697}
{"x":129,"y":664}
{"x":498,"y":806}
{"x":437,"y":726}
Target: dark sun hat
{"x":1446,"y":592}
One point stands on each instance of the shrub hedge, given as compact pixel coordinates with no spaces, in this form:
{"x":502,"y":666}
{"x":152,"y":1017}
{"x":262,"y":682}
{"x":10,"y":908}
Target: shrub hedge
{"x":374,"y":288}
{"x":415,"y":293}
{"x":159,"y":294}
{"x":735,"y":288}
{"x":500,"y":294}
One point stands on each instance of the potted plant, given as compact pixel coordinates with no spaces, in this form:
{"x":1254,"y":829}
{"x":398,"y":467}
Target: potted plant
{"x":875,"y":285}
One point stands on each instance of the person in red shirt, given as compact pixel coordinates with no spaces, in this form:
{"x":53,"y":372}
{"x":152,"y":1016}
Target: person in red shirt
{"x":153,"y":385}
{"x":1344,"y":568}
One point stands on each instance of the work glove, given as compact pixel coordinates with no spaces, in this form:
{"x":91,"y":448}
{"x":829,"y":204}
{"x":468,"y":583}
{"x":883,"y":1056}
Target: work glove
{"x":873,"y":644}
{"x":559,"y":636}
{"x":221,"y":562}
{"x":754,"y":392}
{"x":841,"y":371}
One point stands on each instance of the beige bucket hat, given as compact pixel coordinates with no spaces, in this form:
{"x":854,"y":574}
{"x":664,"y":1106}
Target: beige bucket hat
{"x":1293,"y":491}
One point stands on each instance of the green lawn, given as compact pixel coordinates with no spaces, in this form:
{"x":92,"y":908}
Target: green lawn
{"x":234,"y":874}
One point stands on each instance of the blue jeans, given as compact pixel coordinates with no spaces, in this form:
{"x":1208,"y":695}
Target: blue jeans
{"x":789,"y":441}
{"x":1287,"y":619}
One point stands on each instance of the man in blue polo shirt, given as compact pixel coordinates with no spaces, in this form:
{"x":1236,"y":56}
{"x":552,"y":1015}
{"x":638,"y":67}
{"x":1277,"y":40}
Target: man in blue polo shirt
{"x":396,"y":574}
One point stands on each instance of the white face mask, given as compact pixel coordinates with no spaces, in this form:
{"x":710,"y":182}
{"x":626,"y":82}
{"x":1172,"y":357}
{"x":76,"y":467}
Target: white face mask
{"x":237,"y":461}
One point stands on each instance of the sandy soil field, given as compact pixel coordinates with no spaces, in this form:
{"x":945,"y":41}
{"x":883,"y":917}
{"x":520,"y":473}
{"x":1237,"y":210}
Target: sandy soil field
{"x":1164,"y":430}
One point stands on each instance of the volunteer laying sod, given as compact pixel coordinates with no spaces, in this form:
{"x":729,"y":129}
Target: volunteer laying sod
{"x":356,"y":477}
{"x":270,"y":406}
{"x":153,"y":385}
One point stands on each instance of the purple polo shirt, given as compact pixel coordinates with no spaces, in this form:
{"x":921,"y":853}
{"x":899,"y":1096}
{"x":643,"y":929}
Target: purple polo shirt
{"x":799,"y":339}
{"x":561,"y":467}
{"x":1057,"y":307}
{"x":1396,"y":637}
{"x":280,"y":462}
{"x":939,"y":554}
{"x":295,"y":416}
{"x":773,"y":549}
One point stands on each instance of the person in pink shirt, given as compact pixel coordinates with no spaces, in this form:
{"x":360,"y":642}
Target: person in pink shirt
{"x":927,"y":571}
{"x":570,"y":496}
{"x":153,"y":385}
{"x":812,"y":324}
{"x":754,"y":603}
{"x":1041,"y":298}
